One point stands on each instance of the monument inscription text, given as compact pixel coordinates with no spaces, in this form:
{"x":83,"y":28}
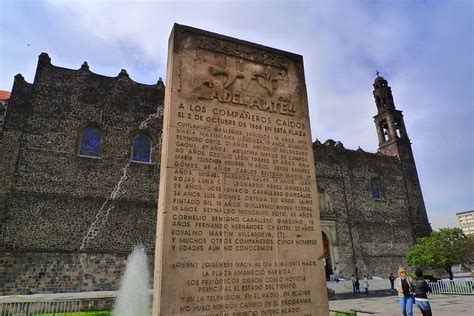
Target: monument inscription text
{"x":238,"y":224}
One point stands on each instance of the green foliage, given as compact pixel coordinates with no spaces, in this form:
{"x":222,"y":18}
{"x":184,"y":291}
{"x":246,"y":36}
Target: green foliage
{"x":468,"y":255}
{"x":90,"y":313}
{"x":443,"y":249}
{"x":336,"y":313}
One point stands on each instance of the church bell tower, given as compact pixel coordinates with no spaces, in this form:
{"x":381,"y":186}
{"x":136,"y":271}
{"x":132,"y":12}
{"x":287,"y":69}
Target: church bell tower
{"x":393,"y":137}
{"x":394,"y":142}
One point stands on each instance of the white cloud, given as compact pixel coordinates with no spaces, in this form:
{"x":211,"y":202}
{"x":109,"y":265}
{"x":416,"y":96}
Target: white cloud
{"x":424,"y":49}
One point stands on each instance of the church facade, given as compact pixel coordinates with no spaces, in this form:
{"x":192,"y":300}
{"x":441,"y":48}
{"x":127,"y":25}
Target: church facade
{"x":80,"y":167}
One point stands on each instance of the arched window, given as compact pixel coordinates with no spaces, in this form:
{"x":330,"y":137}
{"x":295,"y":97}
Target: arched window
{"x":141,"y":148}
{"x":90,"y":142}
{"x":375,"y":188}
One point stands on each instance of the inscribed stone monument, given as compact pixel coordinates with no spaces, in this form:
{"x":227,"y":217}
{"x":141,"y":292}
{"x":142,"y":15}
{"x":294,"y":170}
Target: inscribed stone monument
{"x":238,"y":219}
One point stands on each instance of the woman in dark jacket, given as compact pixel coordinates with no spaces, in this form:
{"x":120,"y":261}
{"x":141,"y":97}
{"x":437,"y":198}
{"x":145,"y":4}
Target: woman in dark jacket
{"x":420,"y":287}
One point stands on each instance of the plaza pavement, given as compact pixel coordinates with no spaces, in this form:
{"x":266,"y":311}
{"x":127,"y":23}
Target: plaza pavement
{"x":345,"y":286}
{"x":381,"y":301}
{"x":441,"y":305}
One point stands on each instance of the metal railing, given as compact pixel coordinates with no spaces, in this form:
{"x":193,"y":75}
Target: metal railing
{"x":25,"y":305}
{"x":460,"y":286}
{"x":33,"y":308}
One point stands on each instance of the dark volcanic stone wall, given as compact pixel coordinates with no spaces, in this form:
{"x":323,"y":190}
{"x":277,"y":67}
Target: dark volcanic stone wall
{"x":55,"y":193}
{"x":50,"y":196}
{"x":60,"y":272}
{"x":373,"y":234}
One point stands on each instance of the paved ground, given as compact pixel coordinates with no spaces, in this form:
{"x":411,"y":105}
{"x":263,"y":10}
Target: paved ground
{"x":346,"y":286}
{"x":382,"y":301}
{"x":442,"y":305}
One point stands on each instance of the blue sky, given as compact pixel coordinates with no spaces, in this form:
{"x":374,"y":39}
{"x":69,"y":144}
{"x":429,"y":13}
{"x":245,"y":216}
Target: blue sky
{"x":423,"y":48}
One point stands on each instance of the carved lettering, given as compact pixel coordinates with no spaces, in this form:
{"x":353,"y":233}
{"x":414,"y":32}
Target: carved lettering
{"x":240,"y":228}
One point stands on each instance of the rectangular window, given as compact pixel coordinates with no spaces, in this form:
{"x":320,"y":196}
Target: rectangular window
{"x":375,"y":188}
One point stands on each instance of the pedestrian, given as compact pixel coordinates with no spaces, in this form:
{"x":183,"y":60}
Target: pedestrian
{"x":353,"y":279}
{"x":404,"y":285}
{"x":331,"y":275}
{"x":366,"y":285}
{"x":420,"y":288}
{"x":326,"y":268}
{"x":392,"y":281}
{"x":357,"y":284}
{"x":336,"y":275}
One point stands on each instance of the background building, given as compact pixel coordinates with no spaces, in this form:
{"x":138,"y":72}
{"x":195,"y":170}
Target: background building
{"x":466,"y":222}
{"x":79,"y":167}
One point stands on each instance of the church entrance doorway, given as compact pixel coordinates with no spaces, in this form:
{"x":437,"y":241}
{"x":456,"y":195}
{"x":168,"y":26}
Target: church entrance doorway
{"x":327,"y":256}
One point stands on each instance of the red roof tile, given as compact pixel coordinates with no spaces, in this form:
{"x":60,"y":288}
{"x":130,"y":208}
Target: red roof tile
{"x":4,"y":95}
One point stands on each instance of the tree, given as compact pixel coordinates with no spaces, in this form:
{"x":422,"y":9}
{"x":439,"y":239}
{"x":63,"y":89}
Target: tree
{"x":468,"y":258}
{"x":443,"y":249}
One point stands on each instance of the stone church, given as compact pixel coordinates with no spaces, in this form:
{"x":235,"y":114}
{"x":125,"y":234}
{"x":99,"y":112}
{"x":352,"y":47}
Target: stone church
{"x":79,"y":174}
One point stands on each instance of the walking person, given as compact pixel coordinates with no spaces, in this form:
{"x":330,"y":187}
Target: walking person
{"x":420,"y":288}
{"x":392,"y":281}
{"x":366,"y":285}
{"x":404,"y":285}
{"x":353,"y":279}
{"x":336,"y":275}
{"x":357,"y":285}
{"x":331,"y":275}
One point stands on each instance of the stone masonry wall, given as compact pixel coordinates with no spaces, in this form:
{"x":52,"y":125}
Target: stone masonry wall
{"x":33,"y":272}
{"x":54,"y":195}
{"x":373,"y":234}
{"x":50,"y":196}
{"x":11,"y":139}
{"x":54,"y":223}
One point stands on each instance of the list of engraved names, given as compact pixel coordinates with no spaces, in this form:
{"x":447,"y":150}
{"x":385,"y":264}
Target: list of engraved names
{"x":242,"y":186}
{"x":239,"y":221}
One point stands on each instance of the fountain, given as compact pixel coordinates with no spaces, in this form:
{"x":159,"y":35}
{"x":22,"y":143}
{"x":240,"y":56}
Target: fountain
{"x":103,"y":214}
{"x":134,"y":297}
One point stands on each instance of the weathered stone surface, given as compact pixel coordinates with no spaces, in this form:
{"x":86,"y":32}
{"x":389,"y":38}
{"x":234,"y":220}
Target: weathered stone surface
{"x":372,"y":235}
{"x":59,"y":272}
{"x":238,"y":229}
{"x":49,"y":195}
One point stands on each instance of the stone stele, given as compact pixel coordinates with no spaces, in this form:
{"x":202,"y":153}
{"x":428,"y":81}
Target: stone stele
{"x":238,"y":218}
